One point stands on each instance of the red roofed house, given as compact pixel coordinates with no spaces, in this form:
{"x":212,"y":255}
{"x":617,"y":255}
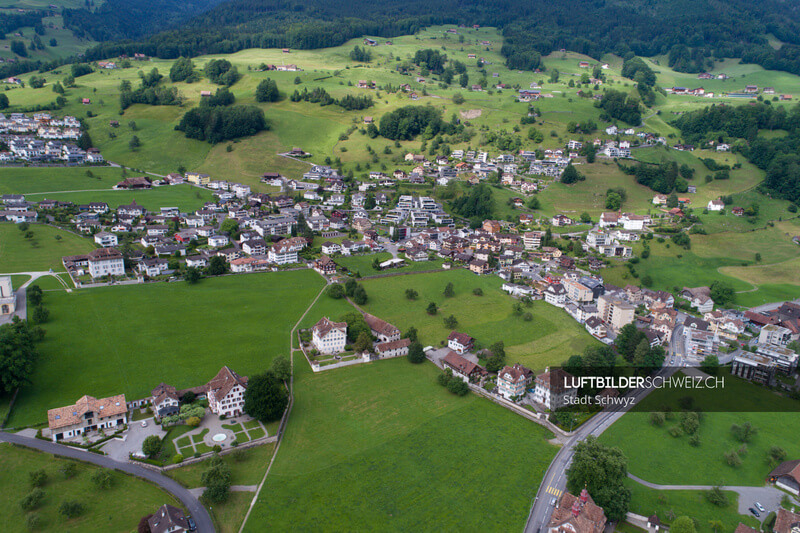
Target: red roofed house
{"x":88,"y":414}
{"x":396,"y":348}
{"x":463,"y":368}
{"x":577,"y":515}
{"x":787,"y":476}
{"x":381,"y":329}
{"x":460,"y":342}
{"x":786,"y":522}
{"x":513,"y":381}
{"x":225,"y":393}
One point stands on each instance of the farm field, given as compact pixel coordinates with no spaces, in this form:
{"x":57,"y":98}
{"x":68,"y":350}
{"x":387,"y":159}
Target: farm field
{"x":689,"y":503}
{"x":28,"y":180}
{"x":549,"y":338}
{"x":42,"y":251}
{"x":356,"y":431}
{"x":116,"y":509}
{"x":242,"y":321}
{"x":185,"y":197}
{"x":664,"y":458}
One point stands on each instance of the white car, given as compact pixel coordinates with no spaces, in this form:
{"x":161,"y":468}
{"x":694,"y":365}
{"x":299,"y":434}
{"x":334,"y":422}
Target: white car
{"x":144,"y":423}
{"x":760,"y":507}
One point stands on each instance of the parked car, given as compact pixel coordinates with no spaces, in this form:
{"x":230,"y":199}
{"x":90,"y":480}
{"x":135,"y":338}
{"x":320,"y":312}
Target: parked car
{"x":192,"y":525}
{"x":754,"y":512}
{"x":144,"y":423}
{"x":760,"y":507}
{"x":553,"y":502}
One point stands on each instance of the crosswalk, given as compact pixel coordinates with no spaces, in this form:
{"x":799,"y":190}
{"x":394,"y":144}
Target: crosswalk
{"x":554,"y":491}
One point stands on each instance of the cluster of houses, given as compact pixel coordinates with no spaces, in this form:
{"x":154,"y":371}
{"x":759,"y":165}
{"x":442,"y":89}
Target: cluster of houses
{"x":776,"y":328}
{"x":43,"y":138}
{"x":225,"y":395}
{"x":749,"y":91}
{"x":330,"y":338}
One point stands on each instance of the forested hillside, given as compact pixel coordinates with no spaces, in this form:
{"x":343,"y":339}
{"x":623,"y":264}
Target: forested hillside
{"x":690,"y":32}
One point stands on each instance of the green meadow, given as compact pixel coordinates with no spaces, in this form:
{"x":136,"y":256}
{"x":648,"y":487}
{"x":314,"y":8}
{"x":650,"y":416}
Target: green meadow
{"x":382,"y":446}
{"x":129,"y":339}
{"x":42,"y":251}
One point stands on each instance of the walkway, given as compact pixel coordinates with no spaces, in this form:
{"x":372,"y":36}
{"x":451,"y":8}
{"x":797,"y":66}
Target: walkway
{"x":22,"y":295}
{"x":769,"y":497}
{"x":195,"y":508}
{"x":197,"y":492}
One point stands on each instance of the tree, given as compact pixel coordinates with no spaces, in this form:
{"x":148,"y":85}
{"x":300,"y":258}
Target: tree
{"x":744,"y":432}
{"x":411,"y":334}
{"x":35,"y":294}
{"x":134,"y":143}
{"x":71,"y":508}
{"x":682,"y":524}
{"x":281,"y":367}
{"x":68,"y":469}
{"x":710,"y":364}
{"x":722,"y":292}
{"x":613,"y":201}
{"x":411,"y":294}
{"x":336,"y":291}
{"x":266,"y":397}
{"x":602,"y":470}
{"x":151,"y":446}
{"x":432,"y":308}
{"x":216,"y":266}
{"x":363,"y":342}
{"x":18,"y":47}
{"x":192,"y":275}
{"x":672,"y":200}
{"x":17,"y":353}
{"x":571,"y":175}
{"x":38,"y":478}
{"x":350,"y":287}
{"x":449,"y":291}
{"x":102,"y":479}
{"x":717,"y":497}
{"x":267,"y":91}
{"x":85,"y":141}
{"x":415,"y":353}
{"x":217,"y":480}
{"x":775,"y":455}
{"x":182,"y":70}
{"x":458,"y":387}
{"x":360,"y":295}
{"x":3,"y":101}
{"x":32,"y":500}
{"x":40,"y":315}
{"x":144,"y":524}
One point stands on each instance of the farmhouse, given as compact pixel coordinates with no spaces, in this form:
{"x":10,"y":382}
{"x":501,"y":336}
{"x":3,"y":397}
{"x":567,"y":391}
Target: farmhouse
{"x":225,"y":393}
{"x":460,"y":342}
{"x":329,"y":337}
{"x":462,"y":368}
{"x":397,"y":348}
{"x":88,"y":414}
{"x":381,"y":329}
{"x":716,"y":205}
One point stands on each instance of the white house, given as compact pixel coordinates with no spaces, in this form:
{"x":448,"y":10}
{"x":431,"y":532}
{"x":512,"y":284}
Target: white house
{"x":218,"y":241}
{"x":460,"y":342}
{"x":553,"y":389}
{"x":716,"y":205}
{"x":105,"y":239}
{"x":329,"y":337}
{"x":513,"y":381}
{"x":555,"y":294}
{"x":106,"y":262}
{"x":225,"y":393}
{"x":88,"y":414}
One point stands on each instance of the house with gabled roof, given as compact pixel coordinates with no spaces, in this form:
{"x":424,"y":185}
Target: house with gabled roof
{"x":225,"y":393}
{"x":460,"y":342}
{"x":329,"y":337}
{"x":381,"y":329}
{"x":87,"y":414}
{"x":463,"y":368}
{"x":513,"y":381}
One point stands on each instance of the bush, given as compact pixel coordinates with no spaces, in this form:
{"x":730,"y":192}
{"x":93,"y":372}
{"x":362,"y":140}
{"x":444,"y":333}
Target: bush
{"x":676,"y":431}
{"x":732,"y":459}
{"x":32,"y":500}
{"x":177,"y":458}
{"x":32,"y":521}
{"x":657,"y":418}
{"x":336,"y":291}
{"x":193,"y":421}
{"x":71,"y":508}
{"x":477,"y":291}
{"x":694,"y":440}
{"x":38,"y":478}
{"x":102,"y":479}
{"x":151,"y":446}
{"x":217,"y":448}
{"x":68,"y":469}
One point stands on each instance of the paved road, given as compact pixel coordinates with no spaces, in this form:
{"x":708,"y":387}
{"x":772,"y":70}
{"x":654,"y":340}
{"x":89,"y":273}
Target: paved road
{"x":769,"y":497}
{"x":555,"y":479}
{"x":195,"y":508}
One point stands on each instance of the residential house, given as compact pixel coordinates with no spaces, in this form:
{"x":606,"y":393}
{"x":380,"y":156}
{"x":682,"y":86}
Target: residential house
{"x":463,"y":368}
{"x":329,"y":337}
{"x":87,"y":414}
{"x":105,"y":239}
{"x":460,"y":342}
{"x":774,"y":334}
{"x":225,"y":393}
{"x":554,"y":389}
{"x":105,"y":262}
{"x":325,"y":266}
{"x":555,"y":294}
{"x":396,"y":348}
{"x":699,"y":298}
{"x":168,"y":519}
{"x":614,"y":311}
{"x":716,"y":205}
{"x":577,"y":515}
{"x":596,"y":327}
{"x":786,"y":476}
{"x":513,"y":381}
{"x":381,"y":329}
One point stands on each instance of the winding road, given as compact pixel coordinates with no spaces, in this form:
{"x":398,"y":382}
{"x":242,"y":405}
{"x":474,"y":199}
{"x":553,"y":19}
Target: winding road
{"x":195,"y":508}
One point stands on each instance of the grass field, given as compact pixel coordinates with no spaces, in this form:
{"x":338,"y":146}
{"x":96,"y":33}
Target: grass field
{"x":550,"y":338}
{"x":245,"y":471}
{"x":664,"y":459}
{"x":689,"y":503}
{"x":363,"y":264}
{"x":242,"y":321}
{"x":185,"y":197}
{"x":26,"y":180}
{"x":42,"y":251}
{"x":382,"y":446}
{"x":116,"y":509}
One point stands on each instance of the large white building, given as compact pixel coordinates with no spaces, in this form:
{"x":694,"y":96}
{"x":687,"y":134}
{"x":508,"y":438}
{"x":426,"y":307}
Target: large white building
{"x":329,"y":337}
{"x":106,"y":262}
{"x":226,"y":393}
{"x":88,"y":414}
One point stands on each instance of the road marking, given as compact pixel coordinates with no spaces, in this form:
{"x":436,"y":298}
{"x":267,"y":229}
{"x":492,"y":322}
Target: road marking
{"x":554,"y":491}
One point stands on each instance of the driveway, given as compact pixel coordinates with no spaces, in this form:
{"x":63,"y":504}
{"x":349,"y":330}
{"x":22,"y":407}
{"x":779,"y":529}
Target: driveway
{"x":119,"y":450}
{"x":195,"y":508}
{"x":438,"y":354}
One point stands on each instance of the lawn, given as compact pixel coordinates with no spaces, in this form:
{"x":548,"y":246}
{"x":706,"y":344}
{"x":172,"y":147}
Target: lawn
{"x":185,"y":197}
{"x":657,"y":457}
{"x":549,"y":338}
{"x":675,"y":503}
{"x":42,"y":251}
{"x":362,"y":264}
{"x":242,"y":321}
{"x":247,"y":468}
{"x":382,"y":447}
{"x":228,"y":516}
{"x":116,"y":509}
{"x":29,"y":180}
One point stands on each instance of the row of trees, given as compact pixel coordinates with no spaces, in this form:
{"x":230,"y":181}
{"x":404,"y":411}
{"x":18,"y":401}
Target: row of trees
{"x":217,"y":124}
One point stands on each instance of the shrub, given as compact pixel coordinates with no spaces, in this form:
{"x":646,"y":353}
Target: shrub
{"x":217,"y":448}
{"x":458,"y":387}
{"x":68,"y":469}
{"x":38,"y":478}
{"x":732,"y":459}
{"x":71,"y":508}
{"x":715,"y":496}
{"x":676,"y":431}
{"x":151,"y":446}
{"x":102,"y":479}
{"x":657,"y":418}
{"x":477,"y":291}
{"x":33,"y":521}
{"x":177,"y":458}
{"x":197,"y":454}
{"x":193,"y":421}
{"x":694,"y":440}
{"x":32,"y":500}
